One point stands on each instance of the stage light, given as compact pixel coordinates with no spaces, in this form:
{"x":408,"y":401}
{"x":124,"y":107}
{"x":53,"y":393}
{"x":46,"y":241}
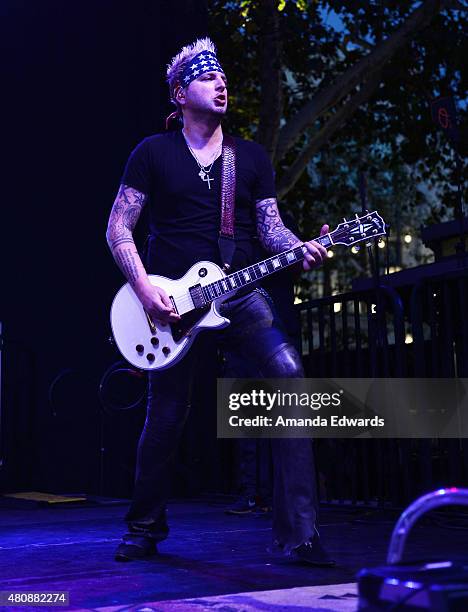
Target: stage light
{"x":407,"y":238}
{"x":330,"y":254}
{"x":355,"y":249}
{"x":381,"y":244}
{"x":337,"y":307}
{"x":408,"y":339}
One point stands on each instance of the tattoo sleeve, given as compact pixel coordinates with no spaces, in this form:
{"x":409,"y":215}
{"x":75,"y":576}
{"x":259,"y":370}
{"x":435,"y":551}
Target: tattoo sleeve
{"x":122,"y":221}
{"x":126,"y":261}
{"x":272,"y":233}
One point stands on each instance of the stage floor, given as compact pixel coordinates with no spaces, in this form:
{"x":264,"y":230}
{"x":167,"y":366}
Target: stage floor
{"x":208,"y":553}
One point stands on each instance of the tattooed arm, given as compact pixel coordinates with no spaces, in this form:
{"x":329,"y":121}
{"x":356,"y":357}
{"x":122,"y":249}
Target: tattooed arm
{"x":123,"y":218}
{"x":275,"y":237}
{"x":122,"y":221}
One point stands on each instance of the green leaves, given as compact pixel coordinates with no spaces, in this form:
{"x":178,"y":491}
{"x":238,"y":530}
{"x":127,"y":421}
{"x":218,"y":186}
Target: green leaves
{"x":301,"y":4}
{"x":391,"y":134}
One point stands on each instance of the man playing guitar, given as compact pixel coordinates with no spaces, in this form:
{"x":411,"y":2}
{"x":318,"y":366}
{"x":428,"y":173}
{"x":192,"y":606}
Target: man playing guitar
{"x":177,"y":175}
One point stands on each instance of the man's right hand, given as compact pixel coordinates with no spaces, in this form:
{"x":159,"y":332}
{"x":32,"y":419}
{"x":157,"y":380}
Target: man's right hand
{"x":157,"y":304}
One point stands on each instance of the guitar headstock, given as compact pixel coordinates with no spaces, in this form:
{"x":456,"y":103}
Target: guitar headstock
{"x":367,"y":226}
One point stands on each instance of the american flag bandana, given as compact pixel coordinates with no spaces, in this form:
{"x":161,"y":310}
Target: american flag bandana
{"x":206,"y":61}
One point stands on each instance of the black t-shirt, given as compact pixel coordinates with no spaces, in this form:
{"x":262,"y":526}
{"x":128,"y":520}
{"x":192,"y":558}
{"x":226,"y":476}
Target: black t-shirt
{"x":184,"y":215}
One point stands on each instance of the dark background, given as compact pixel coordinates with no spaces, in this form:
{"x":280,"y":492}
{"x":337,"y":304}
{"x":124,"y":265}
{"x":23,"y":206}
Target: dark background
{"x":83,"y":83}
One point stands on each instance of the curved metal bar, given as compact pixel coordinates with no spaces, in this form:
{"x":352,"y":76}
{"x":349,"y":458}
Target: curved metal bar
{"x":394,"y":298}
{"x":441,"y":497}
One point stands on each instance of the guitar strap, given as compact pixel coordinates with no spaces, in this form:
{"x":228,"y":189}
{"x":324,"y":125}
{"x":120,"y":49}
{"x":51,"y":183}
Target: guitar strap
{"x":226,"y":241}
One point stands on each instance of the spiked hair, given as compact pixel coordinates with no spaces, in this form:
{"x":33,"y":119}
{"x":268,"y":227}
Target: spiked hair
{"x":177,"y":65}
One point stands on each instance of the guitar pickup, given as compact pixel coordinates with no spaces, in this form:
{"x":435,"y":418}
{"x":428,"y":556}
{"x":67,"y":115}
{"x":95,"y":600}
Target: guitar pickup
{"x":196,"y":293}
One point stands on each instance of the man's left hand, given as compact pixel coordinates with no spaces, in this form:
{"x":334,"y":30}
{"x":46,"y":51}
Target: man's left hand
{"x":316,"y":253}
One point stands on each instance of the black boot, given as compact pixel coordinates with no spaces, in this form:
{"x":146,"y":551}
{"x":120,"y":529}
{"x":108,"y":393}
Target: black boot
{"x":312,"y":553}
{"x":132,"y":549}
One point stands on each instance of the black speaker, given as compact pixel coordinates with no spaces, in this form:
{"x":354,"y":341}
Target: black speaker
{"x":438,"y":586}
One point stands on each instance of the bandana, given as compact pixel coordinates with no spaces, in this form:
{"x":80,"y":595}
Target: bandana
{"x":206,"y":61}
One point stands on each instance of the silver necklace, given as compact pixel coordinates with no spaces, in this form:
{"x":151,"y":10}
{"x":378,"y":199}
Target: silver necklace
{"x":204,"y":173}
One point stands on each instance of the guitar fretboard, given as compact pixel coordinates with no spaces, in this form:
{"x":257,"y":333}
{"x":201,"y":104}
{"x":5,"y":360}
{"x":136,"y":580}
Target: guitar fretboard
{"x":259,"y":270}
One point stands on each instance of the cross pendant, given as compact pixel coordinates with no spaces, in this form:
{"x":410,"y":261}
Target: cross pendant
{"x":205,"y":178}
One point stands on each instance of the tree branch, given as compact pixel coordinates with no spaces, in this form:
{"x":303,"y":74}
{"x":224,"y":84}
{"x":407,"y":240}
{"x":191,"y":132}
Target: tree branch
{"x":359,"y":42}
{"x":270,"y":76}
{"x":365,"y":68}
{"x":339,"y":118}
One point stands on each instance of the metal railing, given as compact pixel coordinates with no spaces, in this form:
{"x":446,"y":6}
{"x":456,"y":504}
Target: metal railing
{"x":439,"y":319}
{"x":421,"y":332}
{"x":356,"y":334}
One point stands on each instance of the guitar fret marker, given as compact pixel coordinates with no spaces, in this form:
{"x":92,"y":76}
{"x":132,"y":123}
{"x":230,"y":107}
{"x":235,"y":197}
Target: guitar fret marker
{"x":263,"y":269}
{"x":276,"y":263}
{"x":246,"y":276}
{"x":290,"y":256}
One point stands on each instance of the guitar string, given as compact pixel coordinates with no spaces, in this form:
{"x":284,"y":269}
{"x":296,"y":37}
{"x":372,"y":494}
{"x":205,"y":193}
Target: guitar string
{"x":245,"y":270}
{"x":186,"y":300}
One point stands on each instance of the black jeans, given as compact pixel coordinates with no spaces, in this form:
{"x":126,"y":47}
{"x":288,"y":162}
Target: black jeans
{"x":255,"y":335}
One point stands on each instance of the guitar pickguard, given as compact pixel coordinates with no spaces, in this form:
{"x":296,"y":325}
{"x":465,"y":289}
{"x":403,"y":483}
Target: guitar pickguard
{"x":187,"y":323}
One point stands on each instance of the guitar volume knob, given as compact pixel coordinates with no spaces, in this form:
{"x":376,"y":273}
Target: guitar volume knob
{"x":166,"y":350}
{"x":139,"y":348}
{"x":150,"y":357}
{"x":154,"y":341}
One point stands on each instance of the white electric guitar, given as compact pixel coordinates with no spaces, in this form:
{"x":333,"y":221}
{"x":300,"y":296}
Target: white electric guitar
{"x":151,"y":345}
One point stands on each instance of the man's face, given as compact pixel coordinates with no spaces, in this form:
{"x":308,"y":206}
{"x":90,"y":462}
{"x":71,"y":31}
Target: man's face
{"x":207,"y":93}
